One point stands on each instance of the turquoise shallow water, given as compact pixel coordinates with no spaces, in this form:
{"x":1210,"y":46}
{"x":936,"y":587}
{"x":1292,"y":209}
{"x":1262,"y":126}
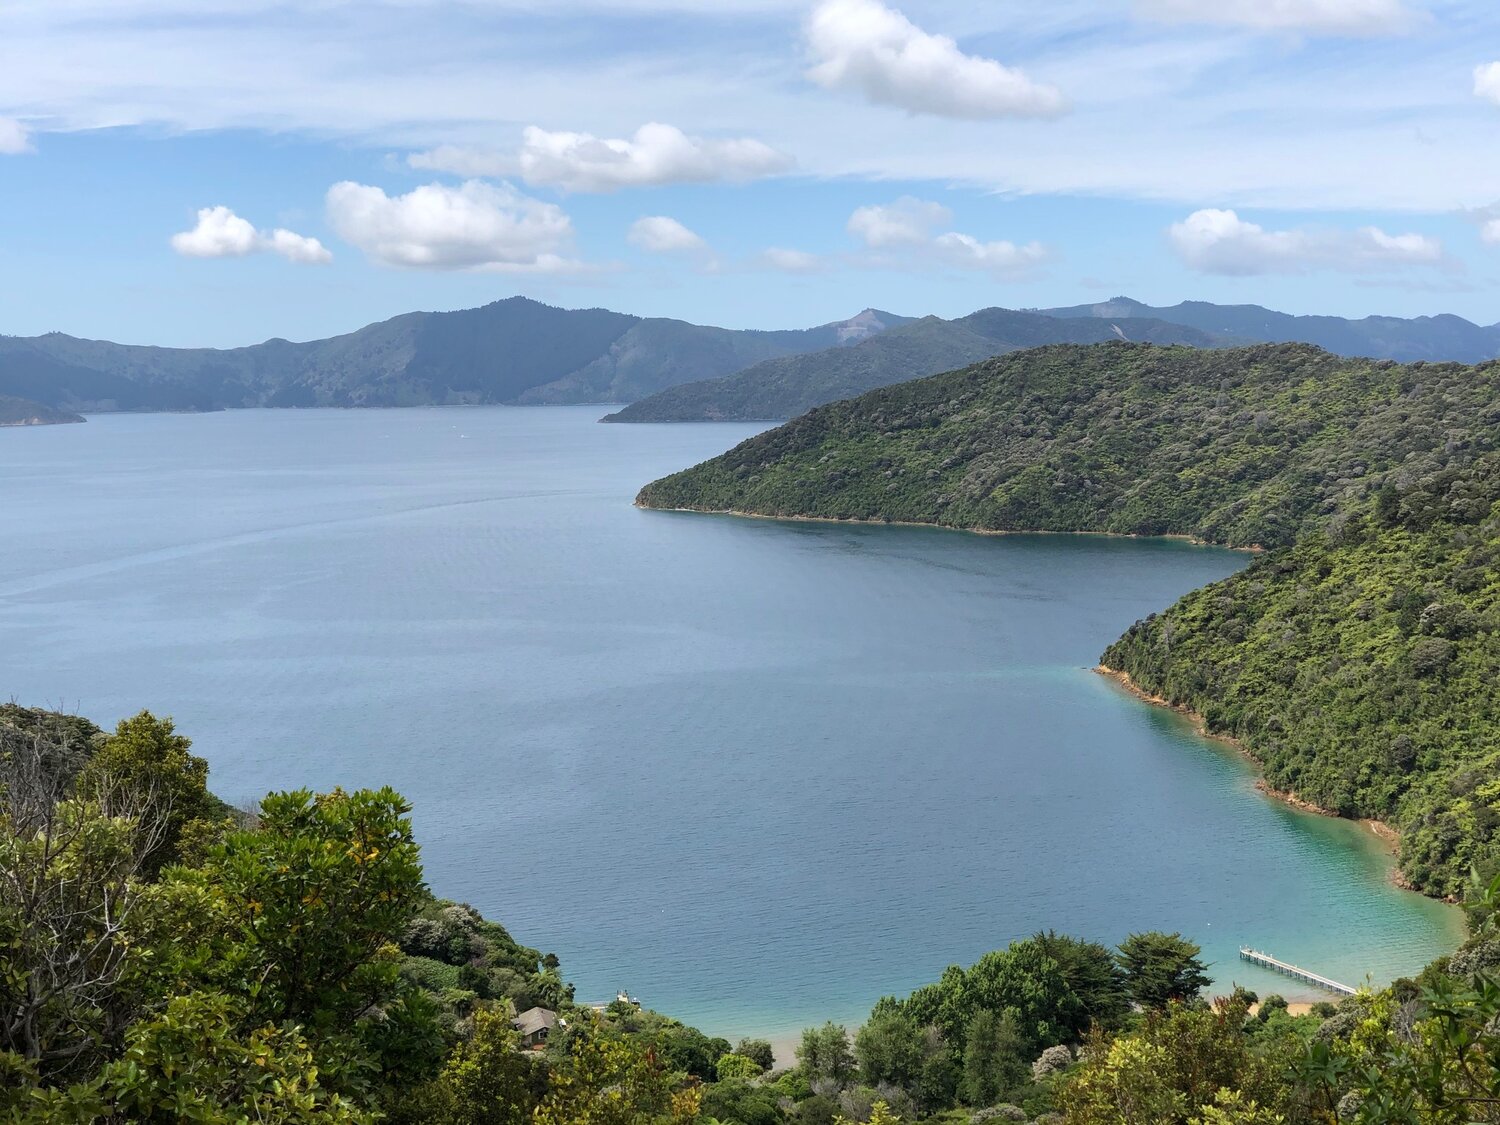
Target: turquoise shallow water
{"x":758,"y":773}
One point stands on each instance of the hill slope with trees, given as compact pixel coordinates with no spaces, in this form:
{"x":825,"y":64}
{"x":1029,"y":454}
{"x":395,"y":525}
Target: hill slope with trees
{"x":785,"y":388}
{"x":1358,"y":659}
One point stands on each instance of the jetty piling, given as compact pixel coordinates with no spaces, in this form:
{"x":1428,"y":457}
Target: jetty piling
{"x":1266,"y":961}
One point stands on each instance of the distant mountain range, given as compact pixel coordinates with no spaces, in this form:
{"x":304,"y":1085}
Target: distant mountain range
{"x":786,"y":387}
{"x":523,"y":352}
{"x":512,"y":351}
{"x":1444,"y":338}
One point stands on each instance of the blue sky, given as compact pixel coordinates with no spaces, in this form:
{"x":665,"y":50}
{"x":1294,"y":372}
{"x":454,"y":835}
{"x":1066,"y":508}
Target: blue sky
{"x":222,"y":171}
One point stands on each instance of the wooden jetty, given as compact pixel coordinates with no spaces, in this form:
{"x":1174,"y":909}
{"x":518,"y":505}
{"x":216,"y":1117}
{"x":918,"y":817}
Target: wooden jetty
{"x":1266,"y":961}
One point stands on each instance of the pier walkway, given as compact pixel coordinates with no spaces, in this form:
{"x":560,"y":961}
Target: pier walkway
{"x":1266,"y":961}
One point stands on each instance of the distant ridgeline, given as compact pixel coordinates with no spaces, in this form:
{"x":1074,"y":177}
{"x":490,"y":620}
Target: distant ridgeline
{"x":784,"y":388}
{"x":512,"y":351}
{"x":520,"y":351}
{"x":1358,"y":659}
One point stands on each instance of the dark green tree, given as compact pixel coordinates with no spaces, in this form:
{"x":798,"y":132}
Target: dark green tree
{"x":1160,"y":968}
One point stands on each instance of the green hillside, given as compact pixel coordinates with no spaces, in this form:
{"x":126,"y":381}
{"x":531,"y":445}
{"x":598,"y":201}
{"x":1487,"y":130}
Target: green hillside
{"x":1358,"y":658}
{"x":784,"y":388}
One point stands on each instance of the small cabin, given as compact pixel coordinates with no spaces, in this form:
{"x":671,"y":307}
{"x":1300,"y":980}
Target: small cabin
{"x":534,"y":1025}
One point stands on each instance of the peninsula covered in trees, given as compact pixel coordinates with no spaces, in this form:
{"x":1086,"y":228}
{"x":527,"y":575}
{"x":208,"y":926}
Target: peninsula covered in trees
{"x":1358,"y":658}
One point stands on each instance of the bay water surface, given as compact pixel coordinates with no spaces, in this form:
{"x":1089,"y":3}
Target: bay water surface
{"x":757,"y":773}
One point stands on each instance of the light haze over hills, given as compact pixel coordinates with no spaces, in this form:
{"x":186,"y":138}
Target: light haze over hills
{"x":520,"y":351}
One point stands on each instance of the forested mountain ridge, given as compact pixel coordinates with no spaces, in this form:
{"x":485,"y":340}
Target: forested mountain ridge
{"x":516,"y":350}
{"x":784,"y":388}
{"x":1359,"y":659}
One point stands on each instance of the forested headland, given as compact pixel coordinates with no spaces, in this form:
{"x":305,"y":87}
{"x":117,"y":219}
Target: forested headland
{"x":166,"y":958}
{"x":1358,"y":658}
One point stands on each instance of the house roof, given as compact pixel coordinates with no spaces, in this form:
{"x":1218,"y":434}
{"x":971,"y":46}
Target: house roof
{"x":533,"y":1020}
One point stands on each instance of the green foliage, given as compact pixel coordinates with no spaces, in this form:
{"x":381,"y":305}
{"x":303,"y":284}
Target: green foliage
{"x":759,"y":1050}
{"x":487,"y":1080}
{"x":1172,"y":1072}
{"x":891,"y":1048}
{"x":1161,"y":968}
{"x":315,"y":893}
{"x":994,"y":1057}
{"x":733,"y":1066}
{"x":147,"y":754}
{"x":824,"y":1053}
{"x":191,"y":1064}
{"x":737,"y":1102}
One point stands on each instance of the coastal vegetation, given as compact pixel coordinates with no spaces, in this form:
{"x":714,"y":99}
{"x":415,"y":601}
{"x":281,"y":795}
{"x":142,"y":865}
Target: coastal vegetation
{"x":165,"y":958}
{"x":1357,"y":658}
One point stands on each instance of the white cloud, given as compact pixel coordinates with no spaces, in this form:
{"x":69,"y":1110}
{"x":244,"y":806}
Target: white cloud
{"x":1220,"y":242}
{"x":864,"y":46}
{"x":660,"y":234}
{"x":1487,"y":82}
{"x":656,"y":154}
{"x":1489,"y":231}
{"x":1327,"y":17}
{"x":473,"y":226}
{"x":992,"y":257}
{"x":906,"y":227}
{"x":907,"y":222}
{"x":464,"y":160}
{"x":220,"y":233}
{"x":790,"y":261}
{"x":15,"y":138}
{"x":296,"y":247}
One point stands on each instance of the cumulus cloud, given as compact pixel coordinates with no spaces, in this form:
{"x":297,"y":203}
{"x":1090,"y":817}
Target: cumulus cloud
{"x":1326,"y":17}
{"x":659,"y":234}
{"x":15,"y":138}
{"x":1489,"y":231}
{"x":1220,"y":242}
{"x":907,"y":222}
{"x":863,"y":46}
{"x":789,"y":261}
{"x":656,"y":154}
{"x":993,"y":257}
{"x":907,"y":228}
{"x":1487,"y":82}
{"x":475,"y":226}
{"x":220,"y":233}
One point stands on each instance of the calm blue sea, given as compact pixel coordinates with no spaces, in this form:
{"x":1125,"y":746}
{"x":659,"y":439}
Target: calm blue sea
{"x":757,"y":773}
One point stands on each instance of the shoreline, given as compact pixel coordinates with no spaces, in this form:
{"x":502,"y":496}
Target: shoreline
{"x":1389,"y":836}
{"x":1254,"y":548}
